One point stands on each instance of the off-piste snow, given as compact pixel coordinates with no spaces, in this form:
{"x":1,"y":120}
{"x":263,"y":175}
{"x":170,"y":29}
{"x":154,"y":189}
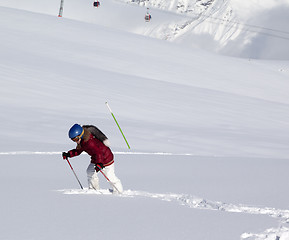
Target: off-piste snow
{"x":208,"y":133}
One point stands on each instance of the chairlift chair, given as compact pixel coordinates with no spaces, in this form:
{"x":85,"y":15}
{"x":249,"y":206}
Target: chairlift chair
{"x":148,"y":16}
{"x":96,"y":3}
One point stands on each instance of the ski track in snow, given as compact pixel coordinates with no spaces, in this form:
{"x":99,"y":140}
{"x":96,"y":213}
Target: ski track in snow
{"x":280,"y":233}
{"x":192,"y":202}
{"x":117,"y":153}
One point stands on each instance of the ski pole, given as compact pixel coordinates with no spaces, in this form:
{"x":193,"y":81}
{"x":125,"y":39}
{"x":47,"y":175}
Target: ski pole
{"x":61,"y":8}
{"x":117,"y":124}
{"x":74,"y":173}
{"x":112,"y":184}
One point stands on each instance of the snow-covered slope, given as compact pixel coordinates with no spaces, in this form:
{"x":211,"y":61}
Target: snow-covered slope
{"x":205,"y":85}
{"x":251,"y":29}
{"x":208,"y":133}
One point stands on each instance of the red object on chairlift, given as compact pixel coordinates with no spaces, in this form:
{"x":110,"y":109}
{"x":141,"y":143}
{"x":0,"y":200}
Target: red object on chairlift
{"x":148,"y":17}
{"x":96,"y":4}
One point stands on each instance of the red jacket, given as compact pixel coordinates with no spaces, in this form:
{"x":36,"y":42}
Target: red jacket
{"x":96,"y":149}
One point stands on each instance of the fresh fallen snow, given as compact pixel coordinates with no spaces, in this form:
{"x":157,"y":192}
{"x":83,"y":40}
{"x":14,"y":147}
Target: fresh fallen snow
{"x":211,"y":198}
{"x":208,"y":134}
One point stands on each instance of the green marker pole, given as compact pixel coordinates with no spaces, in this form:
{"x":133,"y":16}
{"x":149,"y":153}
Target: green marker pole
{"x":117,"y":124}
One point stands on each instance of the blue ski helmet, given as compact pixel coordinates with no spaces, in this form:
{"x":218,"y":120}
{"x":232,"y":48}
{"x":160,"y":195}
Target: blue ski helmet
{"x":75,"y":131}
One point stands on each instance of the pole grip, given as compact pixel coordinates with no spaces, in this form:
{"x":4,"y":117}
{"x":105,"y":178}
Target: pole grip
{"x":108,"y":107}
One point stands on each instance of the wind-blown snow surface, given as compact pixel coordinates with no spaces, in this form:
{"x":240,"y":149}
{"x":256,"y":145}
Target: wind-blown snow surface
{"x":249,"y":29}
{"x":255,"y":29}
{"x":208,"y":135}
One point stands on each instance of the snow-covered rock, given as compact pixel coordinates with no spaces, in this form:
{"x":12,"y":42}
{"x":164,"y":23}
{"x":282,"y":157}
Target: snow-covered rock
{"x":251,"y":29}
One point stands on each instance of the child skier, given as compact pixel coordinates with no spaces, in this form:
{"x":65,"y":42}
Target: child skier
{"x":91,"y":140}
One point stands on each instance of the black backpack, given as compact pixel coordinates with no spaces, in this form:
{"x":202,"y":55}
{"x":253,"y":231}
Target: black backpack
{"x":95,"y":132}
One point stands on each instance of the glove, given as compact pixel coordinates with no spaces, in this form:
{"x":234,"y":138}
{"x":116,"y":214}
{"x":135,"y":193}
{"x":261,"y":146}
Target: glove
{"x":65,"y":155}
{"x":98,"y":167}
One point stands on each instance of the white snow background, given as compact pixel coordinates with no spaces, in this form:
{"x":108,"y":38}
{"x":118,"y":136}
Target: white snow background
{"x":208,"y":133}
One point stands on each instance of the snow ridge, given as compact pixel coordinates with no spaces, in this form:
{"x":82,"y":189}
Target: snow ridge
{"x":225,"y":24}
{"x":200,"y":203}
{"x":280,"y":233}
{"x":190,"y":201}
{"x":117,"y":153}
{"x":193,"y":202}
